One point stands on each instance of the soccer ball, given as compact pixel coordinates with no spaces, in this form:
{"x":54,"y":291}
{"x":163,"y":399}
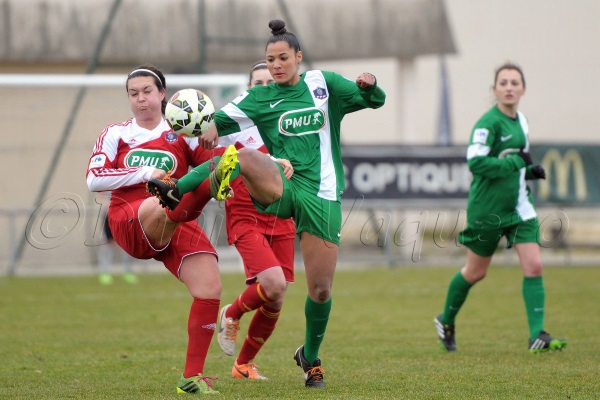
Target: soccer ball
{"x":189,"y":112}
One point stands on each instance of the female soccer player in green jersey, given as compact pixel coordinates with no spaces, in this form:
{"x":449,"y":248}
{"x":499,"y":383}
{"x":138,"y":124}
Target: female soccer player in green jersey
{"x":298,"y":117}
{"x":500,"y":204}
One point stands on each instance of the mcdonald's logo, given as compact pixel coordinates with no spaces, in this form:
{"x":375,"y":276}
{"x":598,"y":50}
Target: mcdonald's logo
{"x":558,"y":168}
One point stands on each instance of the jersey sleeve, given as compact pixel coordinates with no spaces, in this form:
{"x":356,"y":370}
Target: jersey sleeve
{"x":350,"y":97}
{"x":102,"y":173}
{"x":237,"y":115}
{"x":480,"y":161}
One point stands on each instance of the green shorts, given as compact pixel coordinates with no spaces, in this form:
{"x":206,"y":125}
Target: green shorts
{"x":483,"y":240}
{"x":312,"y":214}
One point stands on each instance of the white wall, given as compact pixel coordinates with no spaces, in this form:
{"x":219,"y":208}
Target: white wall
{"x":554,"y":41}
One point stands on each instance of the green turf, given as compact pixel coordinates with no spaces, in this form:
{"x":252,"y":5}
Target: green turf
{"x":71,"y":338}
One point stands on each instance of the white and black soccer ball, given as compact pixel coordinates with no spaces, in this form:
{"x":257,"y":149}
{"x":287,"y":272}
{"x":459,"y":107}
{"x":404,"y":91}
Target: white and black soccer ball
{"x":189,"y":112}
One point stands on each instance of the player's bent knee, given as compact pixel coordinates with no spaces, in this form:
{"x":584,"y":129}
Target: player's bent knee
{"x":205,"y":292}
{"x":274,"y":285}
{"x":275,"y":292}
{"x":320,"y":295}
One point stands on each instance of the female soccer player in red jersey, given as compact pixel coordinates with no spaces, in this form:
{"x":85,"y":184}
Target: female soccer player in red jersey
{"x":266,"y":245}
{"x":125,"y":157}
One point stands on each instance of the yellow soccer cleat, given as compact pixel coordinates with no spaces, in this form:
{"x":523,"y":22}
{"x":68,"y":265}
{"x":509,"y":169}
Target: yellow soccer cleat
{"x":196,"y":384}
{"x":219,"y":178}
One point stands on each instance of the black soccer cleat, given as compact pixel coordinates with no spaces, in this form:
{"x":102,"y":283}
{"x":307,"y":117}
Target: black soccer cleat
{"x":445,"y":334}
{"x":165,"y":190}
{"x":544,"y":342}
{"x":313,"y":374}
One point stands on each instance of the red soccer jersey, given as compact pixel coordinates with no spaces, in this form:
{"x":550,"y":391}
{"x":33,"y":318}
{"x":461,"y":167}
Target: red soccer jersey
{"x":125,"y":155}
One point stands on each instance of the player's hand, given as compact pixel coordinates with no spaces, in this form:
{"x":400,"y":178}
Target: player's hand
{"x":526,"y":156}
{"x":538,"y":172}
{"x":288,"y":170}
{"x":365,"y":80}
{"x":209,"y":139}
{"x":158,"y":173}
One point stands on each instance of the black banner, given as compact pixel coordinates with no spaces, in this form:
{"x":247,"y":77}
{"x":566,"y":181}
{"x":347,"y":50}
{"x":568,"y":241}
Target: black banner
{"x":405,"y":173}
{"x":418,"y":173}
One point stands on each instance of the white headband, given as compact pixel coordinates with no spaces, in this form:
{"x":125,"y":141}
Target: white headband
{"x":258,"y":66}
{"x":145,"y":70}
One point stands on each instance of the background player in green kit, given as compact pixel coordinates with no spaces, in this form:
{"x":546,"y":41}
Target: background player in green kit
{"x":298,"y":117}
{"x":501,"y":204}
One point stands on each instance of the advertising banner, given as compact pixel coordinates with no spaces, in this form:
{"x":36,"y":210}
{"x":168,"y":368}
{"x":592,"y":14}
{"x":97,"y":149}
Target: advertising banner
{"x":405,"y":173}
{"x":415,"y":173}
{"x":572,"y":174}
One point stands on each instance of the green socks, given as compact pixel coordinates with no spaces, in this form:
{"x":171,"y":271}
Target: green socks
{"x":317,"y":316}
{"x":457,"y":294}
{"x":195,"y":177}
{"x":534,"y":296}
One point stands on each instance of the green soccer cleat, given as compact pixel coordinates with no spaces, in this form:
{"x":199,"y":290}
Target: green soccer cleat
{"x":544,"y":342}
{"x":105,"y":279}
{"x":196,"y":384}
{"x":130,"y":278}
{"x":219,"y":178}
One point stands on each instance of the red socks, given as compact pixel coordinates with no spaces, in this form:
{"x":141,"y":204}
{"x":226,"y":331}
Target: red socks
{"x":202,"y":323}
{"x":192,"y":204}
{"x":253,"y":297}
{"x":260,"y":329}
{"x":262,"y":324}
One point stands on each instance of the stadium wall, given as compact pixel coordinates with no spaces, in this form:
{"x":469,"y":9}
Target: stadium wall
{"x":560,"y":65}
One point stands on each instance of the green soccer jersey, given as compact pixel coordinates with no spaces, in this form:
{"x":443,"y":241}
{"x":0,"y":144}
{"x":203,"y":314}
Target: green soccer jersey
{"x":301,"y":123}
{"x":498,"y":193}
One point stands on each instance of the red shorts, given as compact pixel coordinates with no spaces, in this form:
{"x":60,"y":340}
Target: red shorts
{"x":261,"y":252}
{"x":188,"y":238}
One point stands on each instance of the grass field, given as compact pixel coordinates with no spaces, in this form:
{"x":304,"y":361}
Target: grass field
{"x":70,"y":338}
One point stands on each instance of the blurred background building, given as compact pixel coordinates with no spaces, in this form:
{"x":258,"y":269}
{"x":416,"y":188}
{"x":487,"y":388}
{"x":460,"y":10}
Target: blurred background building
{"x":434,"y":58}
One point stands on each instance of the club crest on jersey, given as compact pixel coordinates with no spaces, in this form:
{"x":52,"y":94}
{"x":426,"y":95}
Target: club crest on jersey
{"x":151,"y":158}
{"x":170,"y":137}
{"x":320,"y":93}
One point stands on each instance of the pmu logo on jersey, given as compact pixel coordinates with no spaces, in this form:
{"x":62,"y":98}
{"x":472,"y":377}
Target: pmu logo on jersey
{"x":320,"y":93}
{"x":151,"y":158}
{"x":302,"y":122}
